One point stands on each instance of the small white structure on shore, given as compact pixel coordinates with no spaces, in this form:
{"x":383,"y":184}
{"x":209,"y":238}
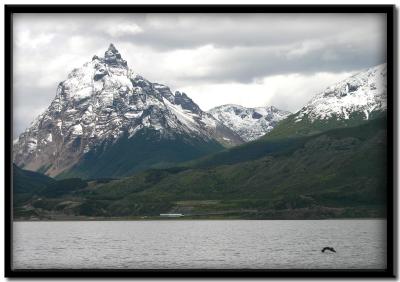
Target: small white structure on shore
{"x":171,"y":214}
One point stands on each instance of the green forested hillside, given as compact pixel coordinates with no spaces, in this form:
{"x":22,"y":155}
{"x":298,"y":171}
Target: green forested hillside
{"x":26,"y":183}
{"x":337,"y":173}
{"x":146,"y":149}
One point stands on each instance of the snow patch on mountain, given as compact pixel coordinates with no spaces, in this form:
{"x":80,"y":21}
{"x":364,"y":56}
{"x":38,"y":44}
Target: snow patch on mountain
{"x":364,"y":92}
{"x":249,"y":123}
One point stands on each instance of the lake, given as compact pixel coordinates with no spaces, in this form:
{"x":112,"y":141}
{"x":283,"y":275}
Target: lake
{"x":269,"y":244}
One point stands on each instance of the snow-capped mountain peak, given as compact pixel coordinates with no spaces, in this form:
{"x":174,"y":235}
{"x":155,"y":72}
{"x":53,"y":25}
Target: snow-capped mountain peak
{"x":113,"y":58}
{"x":103,"y":101}
{"x":249,"y":123}
{"x":363,"y":93}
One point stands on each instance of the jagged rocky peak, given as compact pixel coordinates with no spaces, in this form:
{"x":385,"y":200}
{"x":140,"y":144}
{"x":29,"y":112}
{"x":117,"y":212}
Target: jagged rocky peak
{"x":186,"y":103}
{"x":102,"y":102}
{"x":113,"y":57}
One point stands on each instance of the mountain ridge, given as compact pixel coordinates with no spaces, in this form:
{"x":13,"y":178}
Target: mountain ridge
{"x":349,"y":102}
{"x":249,"y":123}
{"x":104,"y":101}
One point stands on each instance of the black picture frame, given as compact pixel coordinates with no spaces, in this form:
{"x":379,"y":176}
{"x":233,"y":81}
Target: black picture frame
{"x":389,"y":10}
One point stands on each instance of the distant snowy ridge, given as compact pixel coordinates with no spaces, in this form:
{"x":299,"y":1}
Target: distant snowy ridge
{"x":249,"y":123}
{"x":364,"y":92}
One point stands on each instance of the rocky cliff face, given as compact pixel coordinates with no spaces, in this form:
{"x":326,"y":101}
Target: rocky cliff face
{"x":102,"y":102}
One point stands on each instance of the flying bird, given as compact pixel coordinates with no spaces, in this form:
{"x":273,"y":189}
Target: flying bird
{"x":328,"y":249}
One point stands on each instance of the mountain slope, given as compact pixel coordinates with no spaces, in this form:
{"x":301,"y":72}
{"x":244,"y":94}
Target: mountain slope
{"x":249,"y":123}
{"x":343,"y":169}
{"x":28,"y":185}
{"x":143,"y":150}
{"x":350,"y":102}
{"x":338,"y":173}
{"x":104,"y":103}
{"x":26,"y":182}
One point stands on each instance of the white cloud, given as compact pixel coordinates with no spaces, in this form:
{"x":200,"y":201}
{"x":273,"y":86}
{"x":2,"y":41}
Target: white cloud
{"x":287,"y":92}
{"x":123,"y":29}
{"x":25,"y":39}
{"x":293,"y":91}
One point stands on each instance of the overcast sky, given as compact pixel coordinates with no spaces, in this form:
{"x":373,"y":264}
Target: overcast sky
{"x":251,"y":60}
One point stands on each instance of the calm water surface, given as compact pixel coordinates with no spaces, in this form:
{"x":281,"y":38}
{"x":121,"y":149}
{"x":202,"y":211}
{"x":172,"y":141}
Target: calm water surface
{"x":200,"y":244}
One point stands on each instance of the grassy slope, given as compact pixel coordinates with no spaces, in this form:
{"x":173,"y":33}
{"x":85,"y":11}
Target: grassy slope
{"x":339,"y":173}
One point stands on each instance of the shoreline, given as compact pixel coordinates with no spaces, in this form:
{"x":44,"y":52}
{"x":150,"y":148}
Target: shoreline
{"x":190,"y":219}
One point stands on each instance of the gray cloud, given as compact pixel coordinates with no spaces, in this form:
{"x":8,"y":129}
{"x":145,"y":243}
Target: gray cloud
{"x":246,"y":66}
{"x":191,"y":50}
{"x":30,"y":103}
{"x":172,"y":31}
